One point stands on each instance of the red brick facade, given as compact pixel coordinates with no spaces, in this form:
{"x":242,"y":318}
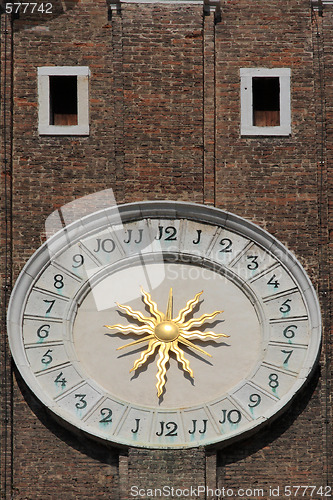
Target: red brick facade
{"x":164,"y":98}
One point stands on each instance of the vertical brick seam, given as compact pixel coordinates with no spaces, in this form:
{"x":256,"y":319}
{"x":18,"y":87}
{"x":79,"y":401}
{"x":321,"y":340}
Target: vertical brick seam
{"x":118,"y":94}
{"x":6,"y":144}
{"x":209,"y":109}
{"x":323,"y":28}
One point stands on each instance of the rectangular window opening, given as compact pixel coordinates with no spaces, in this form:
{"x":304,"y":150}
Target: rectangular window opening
{"x":63,"y":100}
{"x":266,"y":101}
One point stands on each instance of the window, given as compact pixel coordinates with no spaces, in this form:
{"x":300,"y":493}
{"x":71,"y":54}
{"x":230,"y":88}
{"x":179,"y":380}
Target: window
{"x":63,"y":100}
{"x":265,"y":101}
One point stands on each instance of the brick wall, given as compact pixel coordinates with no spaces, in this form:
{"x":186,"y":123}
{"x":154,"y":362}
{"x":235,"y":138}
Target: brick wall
{"x":276,"y":182}
{"x":145,"y":108}
{"x":165,"y":124}
{"x":146,"y":141}
{"x":269,"y":179}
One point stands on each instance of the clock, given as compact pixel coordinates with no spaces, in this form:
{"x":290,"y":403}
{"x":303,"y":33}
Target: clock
{"x":164,"y":325}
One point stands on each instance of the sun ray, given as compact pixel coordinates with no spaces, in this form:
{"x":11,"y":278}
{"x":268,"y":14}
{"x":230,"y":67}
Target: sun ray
{"x":129,"y":328}
{"x":188,"y":308}
{"x":152,"y":306}
{"x":168,"y":314}
{"x":161,"y":366}
{"x":145,"y":354}
{"x":189,"y":344}
{"x":199,"y":321}
{"x":196,"y":334}
{"x":137,"y":315}
{"x":181,"y":358}
{"x":136,"y":342}
{"x":165,"y":334}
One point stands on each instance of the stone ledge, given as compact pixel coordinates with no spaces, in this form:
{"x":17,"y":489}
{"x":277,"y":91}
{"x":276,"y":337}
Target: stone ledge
{"x":318,"y":5}
{"x":209,"y":6}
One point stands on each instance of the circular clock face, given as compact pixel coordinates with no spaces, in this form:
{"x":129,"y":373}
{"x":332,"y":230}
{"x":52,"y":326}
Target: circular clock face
{"x":164,"y":324}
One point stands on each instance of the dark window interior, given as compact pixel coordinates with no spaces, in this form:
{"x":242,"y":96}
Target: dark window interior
{"x":266,"y":101}
{"x":63,"y":100}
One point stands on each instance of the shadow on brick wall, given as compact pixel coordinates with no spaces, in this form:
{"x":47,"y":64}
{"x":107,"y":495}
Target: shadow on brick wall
{"x":280,"y":428}
{"x":70,"y":437}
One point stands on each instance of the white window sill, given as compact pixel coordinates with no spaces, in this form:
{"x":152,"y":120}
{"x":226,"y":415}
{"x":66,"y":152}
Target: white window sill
{"x":63,"y":130}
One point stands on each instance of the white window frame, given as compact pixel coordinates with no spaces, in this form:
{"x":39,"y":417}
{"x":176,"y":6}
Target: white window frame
{"x":247,"y":127}
{"x":82,"y":73}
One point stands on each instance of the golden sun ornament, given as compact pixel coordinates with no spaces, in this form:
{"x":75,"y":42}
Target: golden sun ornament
{"x":165,"y":333}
